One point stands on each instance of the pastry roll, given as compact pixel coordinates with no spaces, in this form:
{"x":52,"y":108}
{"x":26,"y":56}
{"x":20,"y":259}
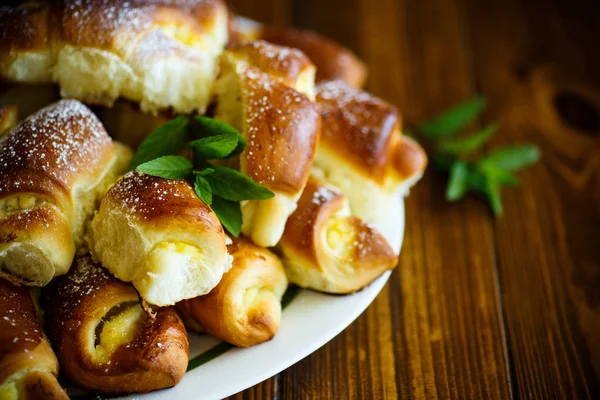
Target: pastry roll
{"x":161,"y":54}
{"x":287,"y":65}
{"x":157,"y":234}
{"x":364,"y":154}
{"x":28,"y":366}
{"x":327,"y":249}
{"x":53,"y":167}
{"x":332,"y":60}
{"x":245,"y":307}
{"x":104,"y":339}
{"x":281,"y":127}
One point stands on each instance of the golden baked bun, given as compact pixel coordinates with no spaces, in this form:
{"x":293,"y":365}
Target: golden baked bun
{"x":104,"y":339}
{"x":332,"y":60}
{"x":364,"y":154}
{"x":8,"y":118}
{"x":157,"y":234}
{"x":281,"y":126}
{"x":287,"y":65}
{"x":53,"y":168}
{"x":162,"y":54}
{"x":28,"y":366}
{"x":325,"y":248}
{"x":245,"y":307}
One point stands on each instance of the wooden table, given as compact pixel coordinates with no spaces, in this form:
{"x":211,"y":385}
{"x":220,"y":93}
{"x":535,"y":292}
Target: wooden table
{"x":478,"y":307}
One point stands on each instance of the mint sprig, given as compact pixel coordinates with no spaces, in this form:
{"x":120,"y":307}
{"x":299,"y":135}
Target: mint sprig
{"x":219,"y":187}
{"x":470,"y":168}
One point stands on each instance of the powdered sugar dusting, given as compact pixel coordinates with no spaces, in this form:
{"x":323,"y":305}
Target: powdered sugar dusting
{"x":19,"y":323}
{"x":357,"y":122}
{"x":281,"y":131}
{"x":60,"y":142}
{"x":281,"y":62}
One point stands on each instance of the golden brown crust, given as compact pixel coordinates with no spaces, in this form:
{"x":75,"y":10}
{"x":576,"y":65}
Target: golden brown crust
{"x":327,"y":249}
{"x":358,"y":127}
{"x":161,"y":202}
{"x":282,"y":131}
{"x":8,"y":118}
{"x":332,"y":60}
{"x":409,"y":158}
{"x":244,"y":309}
{"x":53,"y":150}
{"x":282,"y":63}
{"x":96,"y":23}
{"x":78,"y":308}
{"x":27,"y":362}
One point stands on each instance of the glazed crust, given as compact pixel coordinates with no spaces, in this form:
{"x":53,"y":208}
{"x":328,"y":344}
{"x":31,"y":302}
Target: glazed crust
{"x":351,"y":259}
{"x":53,"y":167}
{"x":28,"y":366}
{"x":98,"y":50}
{"x":244,"y":309}
{"x":78,"y":308}
{"x":332,"y":60}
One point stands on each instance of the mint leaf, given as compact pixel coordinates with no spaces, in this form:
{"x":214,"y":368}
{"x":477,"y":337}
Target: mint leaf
{"x":167,"y":139}
{"x":206,"y":127}
{"x":232,"y":185}
{"x":229,"y":213}
{"x":443,"y":161}
{"x":512,"y":158}
{"x":458,"y":184}
{"x":492,"y":191}
{"x":215,"y":147}
{"x":169,"y":167}
{"x":499,"y":175}
{"x":468,"y":144}
{"x":205,"y":171}
{"x":202,"y":189}
{"x":455,"y":119}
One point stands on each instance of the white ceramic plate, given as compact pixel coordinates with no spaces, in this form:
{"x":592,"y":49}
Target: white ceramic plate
{"x":309,"y":320}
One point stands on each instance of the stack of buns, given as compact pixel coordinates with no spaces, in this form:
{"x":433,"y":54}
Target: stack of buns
{"x":128,"y":263}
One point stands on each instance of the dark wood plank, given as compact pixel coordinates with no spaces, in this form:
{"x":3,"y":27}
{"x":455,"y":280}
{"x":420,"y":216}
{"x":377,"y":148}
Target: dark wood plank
{"x":441,"y":307}
{"x":525,"y":58}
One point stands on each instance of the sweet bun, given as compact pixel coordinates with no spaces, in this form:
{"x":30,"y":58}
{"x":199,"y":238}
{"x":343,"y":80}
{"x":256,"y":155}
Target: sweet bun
{"x":157,"y":234}
{"x":364,"y":154}
{"x":104,"y":339}
{"x":331,"y":59}
{"x":8,"y":118}
{"x":282,"y":127}
{"x":325,"y":248}
{"x":245,"y":307}
{"x":289,"y":66}
{"x":162,"y":54}
{"x":28,"y":366}
{"x":53,"y":168}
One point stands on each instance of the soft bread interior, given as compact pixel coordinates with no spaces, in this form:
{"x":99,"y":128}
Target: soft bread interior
{"x":368,"y":200}
{"x":173,"y":265}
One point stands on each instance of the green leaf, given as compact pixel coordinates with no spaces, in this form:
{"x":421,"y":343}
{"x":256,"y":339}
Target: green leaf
{"x":499,"y":175}
{"x":203,"y":190}
{"x":492,"y":191}
{"x":215,"y":147}
{"x":229,"y":213}
{"x":458,"y":184}
{"x":455,"y":119}
{"x":170,"y":167}
{"x":168,"y":139}
{"x":512,"y":158}
{"x":205,"y":171}
{"x":205,"y":127}
{"x":232,"y":185}
{"x":468,"y":144}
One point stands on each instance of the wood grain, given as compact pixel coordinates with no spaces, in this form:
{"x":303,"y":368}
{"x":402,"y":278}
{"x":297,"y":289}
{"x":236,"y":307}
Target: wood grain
{"x":478,"y":308}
